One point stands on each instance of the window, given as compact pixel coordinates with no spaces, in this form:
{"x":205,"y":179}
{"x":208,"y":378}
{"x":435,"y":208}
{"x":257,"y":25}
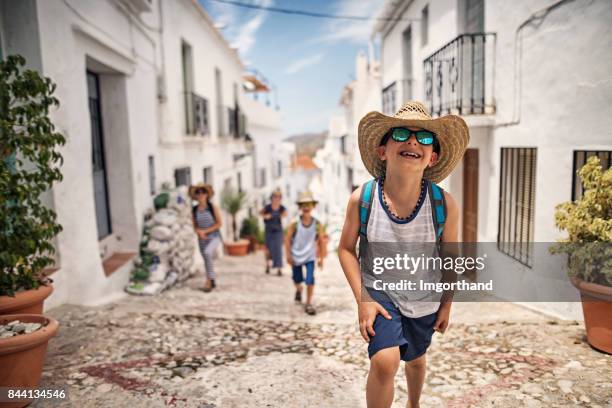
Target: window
{"x":182,"y":176}
{"x":343,"y":144}
{"x":239,"y":181}
{"x":279,"y":168}
{"x":424,"y":25}
{"x":388,"y":99}
{"x":152,"y":175}
{"x":262,"y":177}
{"x":580,"y":159}
{"x":516,"y":203}
{"x":207,"y":175}
{"x":187,"y":65}
{"x":100,"y":173}
{"x":222,"y":130}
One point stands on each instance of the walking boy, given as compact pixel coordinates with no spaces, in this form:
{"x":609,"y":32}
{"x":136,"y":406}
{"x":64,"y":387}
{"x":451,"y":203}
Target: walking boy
{"x":407,"y":154}
{"x":303,"y":244}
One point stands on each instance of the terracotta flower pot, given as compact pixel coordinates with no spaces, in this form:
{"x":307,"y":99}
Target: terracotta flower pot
{"x":25,"y":302}
{"x":597,"y":309}
{"x":22,"y":357}
{"x":238,"y":248}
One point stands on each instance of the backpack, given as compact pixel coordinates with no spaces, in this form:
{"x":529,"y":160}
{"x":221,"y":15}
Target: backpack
{"x":209,"y":207}
{"x":438,"y":206}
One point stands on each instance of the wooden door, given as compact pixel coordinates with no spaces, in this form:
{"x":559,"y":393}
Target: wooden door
{"x":470,"y":196}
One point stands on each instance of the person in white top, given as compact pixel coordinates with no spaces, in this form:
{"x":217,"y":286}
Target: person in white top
{"x":304,"y":243}
{"x":407,"y":154}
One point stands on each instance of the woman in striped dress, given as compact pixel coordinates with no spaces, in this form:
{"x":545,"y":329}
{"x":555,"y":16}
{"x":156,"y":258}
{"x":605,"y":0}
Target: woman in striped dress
{"x":207,"y":224}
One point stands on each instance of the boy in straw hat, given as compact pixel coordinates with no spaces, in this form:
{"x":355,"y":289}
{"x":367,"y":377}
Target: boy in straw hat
{"x":407,"y":154}
{"x":303,"y":243}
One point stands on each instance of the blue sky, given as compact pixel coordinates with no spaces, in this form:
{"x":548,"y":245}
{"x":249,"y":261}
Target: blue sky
{"x":308,"y":59}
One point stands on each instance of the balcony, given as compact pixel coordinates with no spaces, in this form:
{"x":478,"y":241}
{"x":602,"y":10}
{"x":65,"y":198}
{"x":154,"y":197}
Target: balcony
{"x":459,"y":77}
{"x":197,"y":114}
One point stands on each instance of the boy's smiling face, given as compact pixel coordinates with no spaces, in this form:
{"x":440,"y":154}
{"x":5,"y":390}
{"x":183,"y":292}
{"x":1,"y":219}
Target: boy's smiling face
{"x":306,"y":208}
{"x":409,"y":156}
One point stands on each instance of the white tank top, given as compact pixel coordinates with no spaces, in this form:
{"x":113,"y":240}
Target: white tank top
{"x":383,"y":228}
{"x":304,"y":243}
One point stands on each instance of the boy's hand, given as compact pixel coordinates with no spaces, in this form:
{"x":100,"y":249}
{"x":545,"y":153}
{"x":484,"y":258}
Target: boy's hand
{"x":290,"y":260}
{"x":320,"y":263}
{"x":443,"y":318}
{"x":367,"y":314}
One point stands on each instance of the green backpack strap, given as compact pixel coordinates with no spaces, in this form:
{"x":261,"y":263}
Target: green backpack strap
{"x":365,"y":206}
{"x":438,"y":209}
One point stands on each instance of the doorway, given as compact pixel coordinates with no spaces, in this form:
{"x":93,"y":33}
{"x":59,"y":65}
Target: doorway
{"x":100,"y":175}
{"x":470,"y":196}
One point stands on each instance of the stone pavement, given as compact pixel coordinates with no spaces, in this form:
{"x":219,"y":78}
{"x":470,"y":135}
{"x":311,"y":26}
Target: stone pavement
{"x":247,"y":344}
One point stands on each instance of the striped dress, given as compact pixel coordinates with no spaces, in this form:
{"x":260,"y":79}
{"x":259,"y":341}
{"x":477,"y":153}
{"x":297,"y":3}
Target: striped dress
{"x":205,"y":219}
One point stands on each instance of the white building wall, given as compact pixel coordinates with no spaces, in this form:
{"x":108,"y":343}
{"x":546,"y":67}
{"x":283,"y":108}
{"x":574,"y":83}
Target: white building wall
{"x":95,"y":35}
{"x":564,"y":85}
{"x":138,"y":58}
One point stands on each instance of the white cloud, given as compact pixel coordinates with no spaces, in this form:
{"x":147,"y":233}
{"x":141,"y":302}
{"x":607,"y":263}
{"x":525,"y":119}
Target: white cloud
{"x":245,"y":36}
{"x":298,"y":65}
{"x":356,"y":31}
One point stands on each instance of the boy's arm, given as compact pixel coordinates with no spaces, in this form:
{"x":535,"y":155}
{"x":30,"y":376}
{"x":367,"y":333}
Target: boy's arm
{"x":347,"y":246}
{"x":288,"y":238}
{"x":350,"y":265}
{"x":321,"y":243}
{"x":449,"y":235}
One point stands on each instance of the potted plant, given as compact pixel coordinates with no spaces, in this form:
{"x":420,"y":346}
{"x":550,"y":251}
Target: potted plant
{"x":588,"y":222}
{"x":29,"y":165}
{"x":250,"y":231}
{"x":233,"y":201}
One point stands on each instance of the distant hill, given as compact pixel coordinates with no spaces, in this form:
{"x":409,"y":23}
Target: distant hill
{"x":308,"y":143}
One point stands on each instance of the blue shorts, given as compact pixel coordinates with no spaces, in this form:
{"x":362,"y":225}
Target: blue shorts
{"x":412,"y":335}
{"x":298,"y":275}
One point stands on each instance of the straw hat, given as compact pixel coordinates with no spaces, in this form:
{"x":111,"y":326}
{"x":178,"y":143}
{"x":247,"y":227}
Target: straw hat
{"x":451,"y":132}
{"x":207,"y":187}
{"x":306,"y":197}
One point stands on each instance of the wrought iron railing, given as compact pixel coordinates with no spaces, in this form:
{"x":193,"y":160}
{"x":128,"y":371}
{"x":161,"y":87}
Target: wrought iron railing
{"x":389,"y":99}
{"x":196,"y":114}
{"x":459,"y":77}
{"x":200,"y":115}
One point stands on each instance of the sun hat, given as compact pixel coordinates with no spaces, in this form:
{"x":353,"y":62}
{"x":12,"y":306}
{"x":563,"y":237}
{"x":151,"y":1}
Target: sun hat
{"x":451,"y":132}
{"x":306,"y":197}
{"x":195,"y":187}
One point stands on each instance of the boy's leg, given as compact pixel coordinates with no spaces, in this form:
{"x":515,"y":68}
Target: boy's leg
{"x":381,"y":384}
{"x":309,"y":282}
{"x":415,"y":377}
{"x":298,"y":278}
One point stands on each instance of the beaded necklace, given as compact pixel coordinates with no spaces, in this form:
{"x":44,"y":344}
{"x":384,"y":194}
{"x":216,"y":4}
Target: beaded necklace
{"x":416,"y":207}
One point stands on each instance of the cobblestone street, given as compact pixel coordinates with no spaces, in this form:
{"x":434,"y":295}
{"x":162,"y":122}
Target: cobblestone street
{"x":247,"y":344}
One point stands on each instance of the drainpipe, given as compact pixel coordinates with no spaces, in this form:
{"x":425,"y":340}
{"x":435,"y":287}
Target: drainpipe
{"x":536,"y":19}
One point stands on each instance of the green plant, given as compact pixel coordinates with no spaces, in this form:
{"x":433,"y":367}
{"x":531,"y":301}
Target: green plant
{"x":29,"y":165}
{"x":588,"y":222}
{"x":249,"y":227}
{"x":260,"y":236}
{"x":233,"y":201}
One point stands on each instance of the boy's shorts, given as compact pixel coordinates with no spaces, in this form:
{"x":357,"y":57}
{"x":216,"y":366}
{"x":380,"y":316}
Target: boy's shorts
{"x":412,"y":335}
{"x":298,"y":275}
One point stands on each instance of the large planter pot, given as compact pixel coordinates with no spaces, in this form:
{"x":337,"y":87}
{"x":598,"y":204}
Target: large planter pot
{"x":238,"y":248}
{"x":25,"y":302}
{"x":597,"y":309}
{"x":22,"y":357}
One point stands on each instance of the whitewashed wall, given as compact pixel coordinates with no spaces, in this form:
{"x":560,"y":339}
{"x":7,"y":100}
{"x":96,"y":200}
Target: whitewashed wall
{"x":565,"y":85}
